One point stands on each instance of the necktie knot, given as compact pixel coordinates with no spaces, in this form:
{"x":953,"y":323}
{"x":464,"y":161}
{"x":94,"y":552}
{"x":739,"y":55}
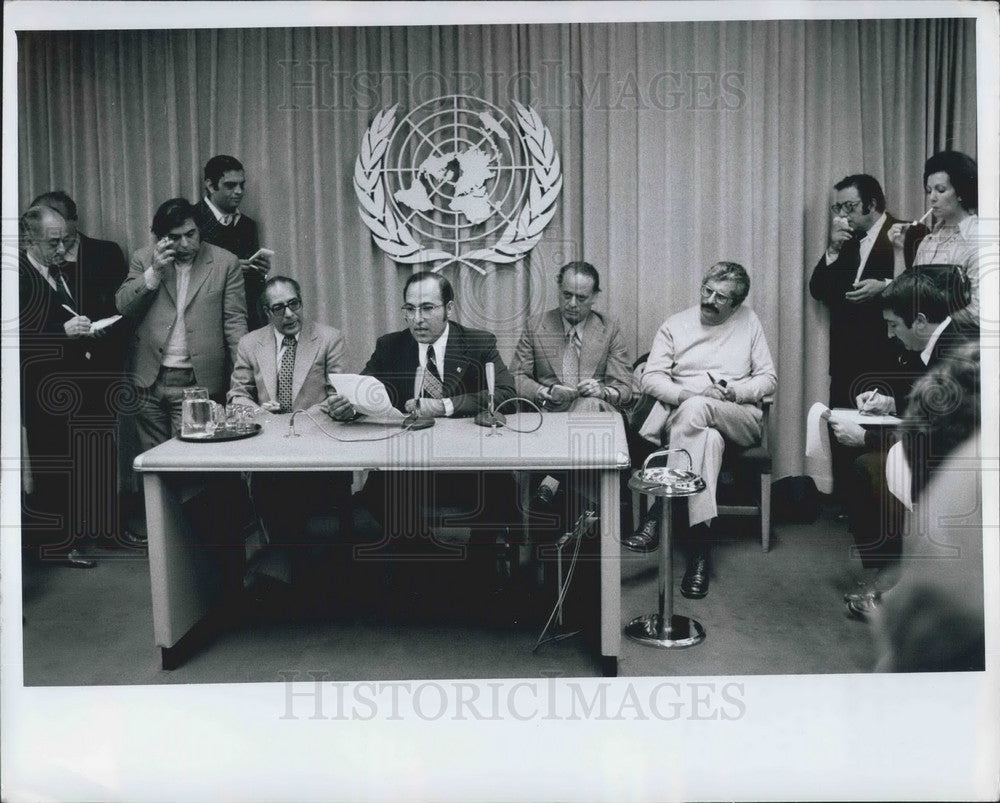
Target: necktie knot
{"x":289,"y":341}
{"x":226,"y":220}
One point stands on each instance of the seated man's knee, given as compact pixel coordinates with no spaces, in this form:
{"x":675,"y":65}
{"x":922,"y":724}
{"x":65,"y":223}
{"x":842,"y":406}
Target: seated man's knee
{"x":695,"y":410}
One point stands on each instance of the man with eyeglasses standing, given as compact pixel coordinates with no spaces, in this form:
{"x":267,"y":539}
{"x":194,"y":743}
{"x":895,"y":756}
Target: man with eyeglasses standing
{"x":451,"y":360}
{"x":709,"y":368}
{"x":67,"y":369}
{"x":848,"y":279}
{"x":284,"y":367}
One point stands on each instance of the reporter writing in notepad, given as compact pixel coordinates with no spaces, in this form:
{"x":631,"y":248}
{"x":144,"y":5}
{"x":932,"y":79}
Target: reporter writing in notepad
{"x":917,"y":309}
{"x":66,"y":372}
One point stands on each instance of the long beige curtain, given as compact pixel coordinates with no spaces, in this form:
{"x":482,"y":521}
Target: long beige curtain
{"x":681,"y":144}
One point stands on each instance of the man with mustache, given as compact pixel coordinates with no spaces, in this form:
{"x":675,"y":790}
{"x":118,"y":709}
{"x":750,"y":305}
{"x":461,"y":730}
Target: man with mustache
{"x":709,"y":368}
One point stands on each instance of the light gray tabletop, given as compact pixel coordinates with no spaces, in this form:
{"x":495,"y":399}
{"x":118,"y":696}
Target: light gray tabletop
{"x":564,"y":441}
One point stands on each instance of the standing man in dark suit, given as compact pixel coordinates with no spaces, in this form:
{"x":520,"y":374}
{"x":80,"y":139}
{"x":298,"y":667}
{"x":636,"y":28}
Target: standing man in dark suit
{"x":453,"y":360}
{"x":94,"y":270}
{"x":186,"y":299}
{"x":67,"y":370}
{"x":221,"y":223}
{"x":849,"y":278}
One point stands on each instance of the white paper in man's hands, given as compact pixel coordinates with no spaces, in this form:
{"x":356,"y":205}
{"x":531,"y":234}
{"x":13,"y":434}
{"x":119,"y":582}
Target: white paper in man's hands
{"x":368,"y":396}
{"x":104,"y":323}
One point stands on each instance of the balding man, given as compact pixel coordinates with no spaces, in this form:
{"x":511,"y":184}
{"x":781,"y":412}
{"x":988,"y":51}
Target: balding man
{"x":66,"y":370}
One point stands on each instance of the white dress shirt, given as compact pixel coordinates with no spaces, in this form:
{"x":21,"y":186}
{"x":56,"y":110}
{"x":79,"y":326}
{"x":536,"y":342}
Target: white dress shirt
{"x":439,"y":349}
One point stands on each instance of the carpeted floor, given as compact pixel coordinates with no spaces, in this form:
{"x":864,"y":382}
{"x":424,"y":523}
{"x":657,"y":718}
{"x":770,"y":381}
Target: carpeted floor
{"x":774,"y":613}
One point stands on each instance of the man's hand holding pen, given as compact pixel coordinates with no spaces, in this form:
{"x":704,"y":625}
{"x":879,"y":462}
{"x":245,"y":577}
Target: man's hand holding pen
{"x":871,"y":402}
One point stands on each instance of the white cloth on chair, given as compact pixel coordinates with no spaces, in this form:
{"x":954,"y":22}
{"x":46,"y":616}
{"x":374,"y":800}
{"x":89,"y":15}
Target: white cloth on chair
{"x":898,"y":476}
{"x":819,"y":460}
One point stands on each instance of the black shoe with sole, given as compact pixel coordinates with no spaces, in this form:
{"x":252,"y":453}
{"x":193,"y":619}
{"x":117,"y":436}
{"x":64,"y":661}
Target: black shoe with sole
{"x":694,"y":585}
{"x":647,"y":537}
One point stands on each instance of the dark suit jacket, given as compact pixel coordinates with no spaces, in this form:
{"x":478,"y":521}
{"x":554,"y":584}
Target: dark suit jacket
{"x":214,"y":316}
{"x":396,"y":357}
{"x":90,"y":364}
{"x":320,"y":352}
{"x":538,"y":356}
{"x":243,"y":241}
{"x":910,"y":368}
{"x":859,"y":347}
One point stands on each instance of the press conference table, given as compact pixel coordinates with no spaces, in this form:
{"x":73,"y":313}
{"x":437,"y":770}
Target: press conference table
{"x":185,"y":590}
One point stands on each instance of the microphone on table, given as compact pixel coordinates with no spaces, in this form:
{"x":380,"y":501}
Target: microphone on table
{"x":414,"y":420}
{"x":489,"y":417}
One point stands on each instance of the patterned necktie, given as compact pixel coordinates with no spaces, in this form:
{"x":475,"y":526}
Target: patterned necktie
{"x":433,"y":388}
{"x":571,"y":358}
{"x":285,"y":374}
{"x":62,"y":289}
{"x":226,"y":220}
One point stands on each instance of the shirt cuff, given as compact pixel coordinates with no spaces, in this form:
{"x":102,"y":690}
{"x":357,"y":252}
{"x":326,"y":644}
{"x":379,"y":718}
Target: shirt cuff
{"x":151,"y":279}
{"x":449,"y":407}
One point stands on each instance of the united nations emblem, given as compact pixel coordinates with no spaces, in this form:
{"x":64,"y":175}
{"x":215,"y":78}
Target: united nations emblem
{"x":456,"y":181}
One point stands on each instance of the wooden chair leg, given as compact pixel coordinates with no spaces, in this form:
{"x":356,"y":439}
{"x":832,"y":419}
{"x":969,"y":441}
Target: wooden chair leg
{"x":765,"y":511}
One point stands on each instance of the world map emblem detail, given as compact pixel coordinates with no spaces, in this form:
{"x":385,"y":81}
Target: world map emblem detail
{"x":457,"y":181}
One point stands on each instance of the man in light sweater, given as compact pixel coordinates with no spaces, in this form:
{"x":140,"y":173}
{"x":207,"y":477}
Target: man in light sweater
{"x":709,"y":368}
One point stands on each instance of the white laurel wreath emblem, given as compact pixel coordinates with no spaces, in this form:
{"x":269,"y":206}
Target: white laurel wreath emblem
{"x":393,"y":236}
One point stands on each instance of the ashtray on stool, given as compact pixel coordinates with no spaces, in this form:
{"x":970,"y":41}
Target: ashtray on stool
{"x":664,"y":629}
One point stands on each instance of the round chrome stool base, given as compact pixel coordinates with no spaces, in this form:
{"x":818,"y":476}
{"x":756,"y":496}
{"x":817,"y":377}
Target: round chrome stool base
{"x":649,"y":630}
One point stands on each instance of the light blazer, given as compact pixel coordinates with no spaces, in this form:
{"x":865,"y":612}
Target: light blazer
{"x":396,"y":357}
{"x":215,"y":316}
{"x":538,"y":357}
{"x":320,"y":351}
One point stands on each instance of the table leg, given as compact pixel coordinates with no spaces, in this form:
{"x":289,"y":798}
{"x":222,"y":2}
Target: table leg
{"x":611,"y":579}
{"x":184,"y":586}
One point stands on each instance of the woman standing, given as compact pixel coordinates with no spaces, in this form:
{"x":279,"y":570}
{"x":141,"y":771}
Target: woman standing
{"x":952,"y":185}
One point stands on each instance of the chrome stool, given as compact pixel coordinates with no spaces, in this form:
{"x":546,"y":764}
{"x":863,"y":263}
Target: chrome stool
{"x":665,"y":629}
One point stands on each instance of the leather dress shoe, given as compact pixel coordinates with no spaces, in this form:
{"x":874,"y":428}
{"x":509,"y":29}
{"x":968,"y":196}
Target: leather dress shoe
{"x":646,"y":538}
{"x":694,"y":585}
{"x":134,"y":539}
{"x":865,"y":607}
{"x":75,"y":560}
{"x":542,"y":498}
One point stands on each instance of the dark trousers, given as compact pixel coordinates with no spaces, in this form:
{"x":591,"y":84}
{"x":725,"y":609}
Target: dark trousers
{"x":72,"y":452}
{"x":877,"y":517}
{"x":407,"y":505}
{"x":285,"y":501}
